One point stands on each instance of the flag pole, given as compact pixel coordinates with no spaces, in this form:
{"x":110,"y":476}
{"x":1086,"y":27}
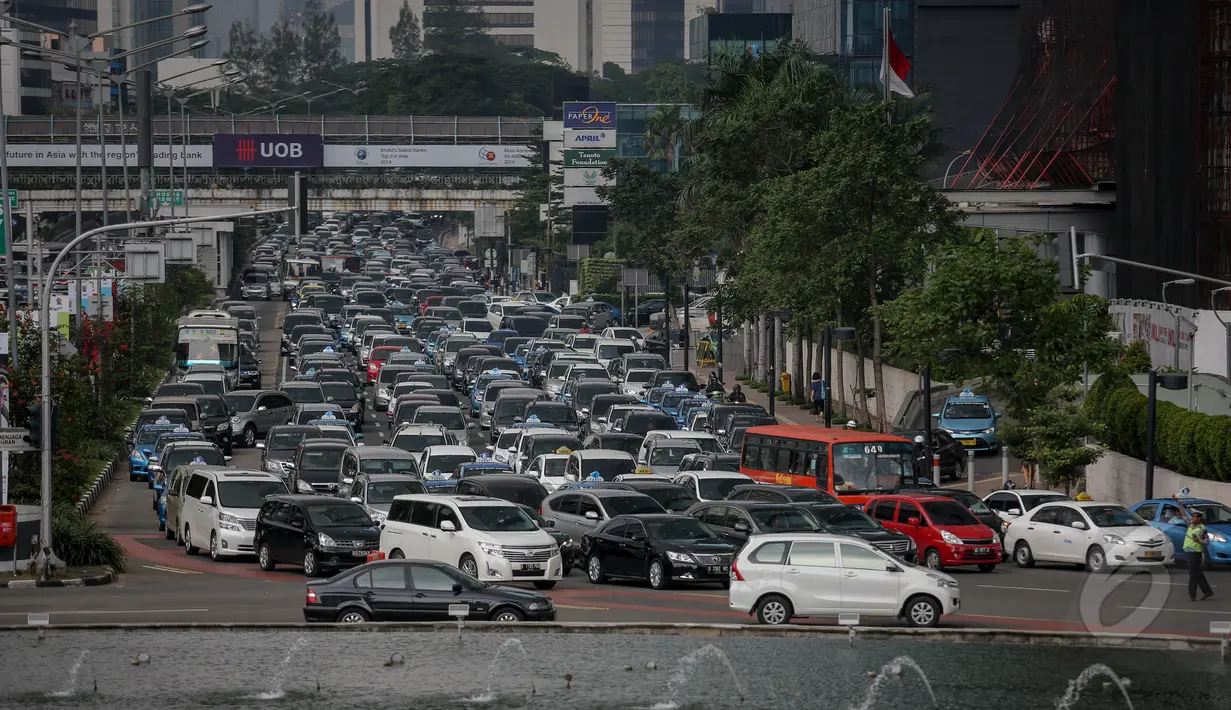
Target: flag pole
{"x":885,"y":63}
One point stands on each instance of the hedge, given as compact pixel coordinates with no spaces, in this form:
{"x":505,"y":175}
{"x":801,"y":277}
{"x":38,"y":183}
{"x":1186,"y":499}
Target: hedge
{"x":1189,"y":443}
{"x":597,"y":275}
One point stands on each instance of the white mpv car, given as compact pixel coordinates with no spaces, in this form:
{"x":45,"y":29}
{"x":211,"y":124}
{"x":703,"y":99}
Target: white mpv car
{"x":489,"y":539}
{"x":1099,"y":536}
{"x":783,"y":576}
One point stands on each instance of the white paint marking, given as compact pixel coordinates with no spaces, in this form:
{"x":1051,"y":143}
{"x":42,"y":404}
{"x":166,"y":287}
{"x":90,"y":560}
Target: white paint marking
{"x":1181,"y":611}
{"x":1024,"y":589}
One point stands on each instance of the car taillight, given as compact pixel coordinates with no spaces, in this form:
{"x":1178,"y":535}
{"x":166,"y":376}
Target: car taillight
{"x":735,"y":575}
{"x":312,"y":597}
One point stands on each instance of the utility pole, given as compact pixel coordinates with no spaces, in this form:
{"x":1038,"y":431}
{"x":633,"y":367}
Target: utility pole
{"x":145,"y":138}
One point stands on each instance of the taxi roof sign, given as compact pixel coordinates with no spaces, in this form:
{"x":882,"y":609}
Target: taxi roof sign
{"x":534,"y":419}
{"x":198,"y":461}
{"x":162,"y":420}
{"x":564,"y":450}
{"x":967,"y":393}
{"x":484,"y":455}
{"x":682,"y":388}
{"x":644,"y":470}
{"x":595,"y":476}
{"x":328,"y":349}
{"x":181,"y":429}
{"x":328,"y":415}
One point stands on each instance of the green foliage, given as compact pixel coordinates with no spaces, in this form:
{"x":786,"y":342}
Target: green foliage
{"x":1136,"y":357}
{"x":596,"y":275}
{"x":321,"y":45}
{"x":406,"y":35}
{"x":666,"y":83}
{"x":1052,"y":436}
{"x":645,"y":202}
{"x":1190,"y":443}
{"x":80,"y":543}
{"x":664,"y":134}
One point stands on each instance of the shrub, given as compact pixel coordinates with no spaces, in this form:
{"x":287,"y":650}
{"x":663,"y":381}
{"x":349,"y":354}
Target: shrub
{"x":80,"y":543}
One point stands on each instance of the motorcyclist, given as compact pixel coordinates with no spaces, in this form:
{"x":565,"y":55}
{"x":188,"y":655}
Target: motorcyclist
{"x":714,"y":384}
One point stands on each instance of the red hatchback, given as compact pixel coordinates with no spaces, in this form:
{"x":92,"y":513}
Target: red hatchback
{"x":945,"y":532}
{"x":377,"y":359}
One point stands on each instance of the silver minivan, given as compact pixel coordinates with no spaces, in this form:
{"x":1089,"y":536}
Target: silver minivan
{"x":578,"y":511}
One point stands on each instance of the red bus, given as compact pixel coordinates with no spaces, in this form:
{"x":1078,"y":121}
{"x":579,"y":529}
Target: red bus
{"x":852,"y":465}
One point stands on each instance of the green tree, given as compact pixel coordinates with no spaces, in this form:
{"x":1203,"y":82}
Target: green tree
{"x":1053,"y":437}
{"x":246,"y":52}
{"x":405,"y":35}
{"x":321,"y":45}
{"x":664,"y":133}
{"x":455,"y":26}
{"x":644,"y":204}
{"x":284,"y":57}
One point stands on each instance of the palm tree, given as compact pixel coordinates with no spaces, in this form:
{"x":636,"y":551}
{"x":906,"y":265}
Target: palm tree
{"x":663,"y":136}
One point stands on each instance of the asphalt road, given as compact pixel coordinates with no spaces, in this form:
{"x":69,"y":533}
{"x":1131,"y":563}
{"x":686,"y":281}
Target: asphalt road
{"x":164,"y":584}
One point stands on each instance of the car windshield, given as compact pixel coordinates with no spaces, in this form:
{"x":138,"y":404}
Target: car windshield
{"x":1113,"y":516}
{"x":555,"y":467}
{"x":379,"y":465}
{"x":447,"y":463}
{"x":869,"y":466}
{"x":510,"y":406}
{"x":338,"y":515}
{"x":718,"y":488}
{"x":968,"y":410}
{"x":247,"y":494}
{"x":340,"y":391}
{"x":611,"y":351}
{"x":382,"y":492}
{"x":549,"y":443}
{"x":673,"y":399}
{"x":557,"y":369}
{"x":670,"y":455}
{"x":241,"y":401}
{"x":507,"y":437}
{"x":553,"y":415}
{"x":782,"y":520}
{"x":1033,"y":501}
{"x":451,"y":419}
{"x":149,"y":435}
{"x":630,"y":505}
{"x":679,"y":529}
{"x":497,"y":518}
{"x":212,"y":407}
{"x":648,"y":362}
{"x":177,"y":456}
{"x":843,"y":517}
{"x":638,"y":376}
{"x":291,"y":439}
{"x":323,"y":459}
{"x":418,"y":442}
{"x":674,"y":500}
{"x":949,"y":512}
{"x":1211,"y":513}
{"x":305,"y":395}
{"x":972,"y":501}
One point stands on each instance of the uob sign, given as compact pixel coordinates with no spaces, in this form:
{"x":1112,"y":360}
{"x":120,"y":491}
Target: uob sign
{"x":268,"y":150}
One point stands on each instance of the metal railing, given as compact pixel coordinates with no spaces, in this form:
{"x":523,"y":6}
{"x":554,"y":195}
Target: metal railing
{"x":336,"y":129}
{"x":209,"y":179}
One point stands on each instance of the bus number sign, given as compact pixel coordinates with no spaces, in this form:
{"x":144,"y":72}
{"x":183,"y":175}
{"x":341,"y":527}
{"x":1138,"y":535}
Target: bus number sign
{"x":874,"y":449}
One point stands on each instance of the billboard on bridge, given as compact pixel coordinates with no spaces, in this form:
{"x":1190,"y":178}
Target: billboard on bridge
{"x":268,"y":150}
{"x":429,"y":156}
{"x":64,"y":155}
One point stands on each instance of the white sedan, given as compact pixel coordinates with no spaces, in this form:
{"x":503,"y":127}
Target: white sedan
{"x":1098,"y":536}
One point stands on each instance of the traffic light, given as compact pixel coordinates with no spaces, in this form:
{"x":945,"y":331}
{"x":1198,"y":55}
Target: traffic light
{"x":34,"y":424}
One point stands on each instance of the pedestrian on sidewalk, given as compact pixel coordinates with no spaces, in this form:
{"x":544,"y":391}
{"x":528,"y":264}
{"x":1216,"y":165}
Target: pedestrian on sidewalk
{"x":818,"y":396}
{"x":1195,"y":542}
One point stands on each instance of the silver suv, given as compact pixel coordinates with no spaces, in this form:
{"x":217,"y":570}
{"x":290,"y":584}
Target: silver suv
{"x":255,"y":412}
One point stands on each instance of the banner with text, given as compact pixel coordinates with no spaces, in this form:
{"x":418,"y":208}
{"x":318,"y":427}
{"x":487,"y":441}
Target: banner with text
{"x":590,"y":115}
{"x":64,"y":155}
{"x":429,"y":156}
{"x":577,"y":138}
{"x":588,"y":158}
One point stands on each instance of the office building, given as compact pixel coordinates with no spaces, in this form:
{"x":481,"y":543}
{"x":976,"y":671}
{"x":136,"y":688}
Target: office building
{"x":851,"y":33}
{"x":716,"y":33}
{"x":58,"y":14}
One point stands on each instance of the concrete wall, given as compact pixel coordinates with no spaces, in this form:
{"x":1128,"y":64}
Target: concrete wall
{"x":1120,"y":478}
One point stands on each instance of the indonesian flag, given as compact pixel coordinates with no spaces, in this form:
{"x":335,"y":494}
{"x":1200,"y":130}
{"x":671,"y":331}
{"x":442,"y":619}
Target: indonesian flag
{"x":894,"y":68}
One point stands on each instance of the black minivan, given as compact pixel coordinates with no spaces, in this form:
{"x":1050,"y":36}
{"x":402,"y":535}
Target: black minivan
{"x":513,"y":487}
{"x":319,"y":533}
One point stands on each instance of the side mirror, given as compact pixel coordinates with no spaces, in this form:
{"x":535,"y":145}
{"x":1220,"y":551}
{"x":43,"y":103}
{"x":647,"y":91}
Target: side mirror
{"x":1079,"y":525}
{"x":329,"y":399}
{"x":1015,"y":511}
{"x":260,"y":444}
{"x":207,"y":500}
{"x":356,"y":499}
{"x":742,"y":527}
{"x":549,"y":522}
{"x":458,"y":589}
{"x":227,"y":458}
{"x":512,"y":449}
{"x":890,"y":567}
{"x":591,"y":515}
{"x":936,"y":415}
{"x":347,"y":480}
{"x":517,"y":420}
{"x":447,"y":526}
{"x":913,"y":521}
{"x":258,"y":361}
{"x":262,"y":408}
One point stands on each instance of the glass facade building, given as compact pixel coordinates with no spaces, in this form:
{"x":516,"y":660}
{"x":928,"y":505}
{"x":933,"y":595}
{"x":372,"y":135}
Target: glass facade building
{"x":736,"y":33}
{"x":630,"y":130}
{"x":852,"y":33}
{"x":58,"y":14}
{"x":657,"y":32}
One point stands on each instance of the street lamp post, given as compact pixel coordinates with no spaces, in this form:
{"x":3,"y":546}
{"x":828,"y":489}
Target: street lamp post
{"x":959,"y":156}
{"x":1226,"y":326}
{"x":1171,"y":381}
{"x":1175,"y":358}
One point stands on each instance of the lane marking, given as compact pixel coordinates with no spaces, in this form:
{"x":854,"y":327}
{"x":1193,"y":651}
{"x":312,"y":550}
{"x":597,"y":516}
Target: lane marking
{"x":699,"y":594}
{"x":1024,"y":589}
{"x":583,"y":608}
{"x":111,"y":611}
{"x":1181,"y":611}
{"x":176,"y":570}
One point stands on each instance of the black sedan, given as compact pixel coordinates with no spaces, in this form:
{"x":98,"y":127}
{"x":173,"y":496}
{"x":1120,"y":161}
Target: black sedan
{"x":568,"y":550}
{"x":841,"y":519}
{"x":417,"y":590}
{"x":661,"y":549}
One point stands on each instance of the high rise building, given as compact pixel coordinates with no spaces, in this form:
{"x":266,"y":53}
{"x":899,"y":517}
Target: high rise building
{"x":58,"y":14}
{"x":851,"y":33}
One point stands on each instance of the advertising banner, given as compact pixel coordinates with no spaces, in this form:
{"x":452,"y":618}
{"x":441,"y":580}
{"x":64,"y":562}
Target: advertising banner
{"x":588,"y":158}
{"x":577,"y":138}
{"x":582,"y":196}
{"x":267,"y":150}
{"x":428,"y":156}
{"x":590,"y":115}
{"x":64,"y":155}
{"x":586,"y":177}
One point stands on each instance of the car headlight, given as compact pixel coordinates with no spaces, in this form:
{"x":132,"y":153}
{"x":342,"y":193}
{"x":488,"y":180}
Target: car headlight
{"x":681,"y":557}
{"x":325,"y":540}
{"x":950,"y":537}
{"x":378,"y":516}
{"x":1217,"y":537}
{"x":539,"y":606}
{"x":943,"y":582}
{"x":225,"y":426}
{"x":229,"y":522}
{"x":492,"y":549}
{"x":1112,"y":539}
{"x":992,"y":430}
{"x":134,"y":454}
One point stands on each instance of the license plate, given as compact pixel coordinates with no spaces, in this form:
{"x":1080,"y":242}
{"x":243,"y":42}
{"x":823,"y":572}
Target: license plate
{"x":983,"y":550}
{"x":1153,"y":555}
{"x":720,"y":569}
{"x":969,"y":442}
{"x":532,"y":568}
{"x":359,"y":553}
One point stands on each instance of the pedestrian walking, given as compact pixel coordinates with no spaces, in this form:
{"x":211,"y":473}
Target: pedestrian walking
{"x":818,"y":396}
{"x":1195,"y":542}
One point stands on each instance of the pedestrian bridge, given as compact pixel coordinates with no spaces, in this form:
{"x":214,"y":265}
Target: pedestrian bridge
{"x":205,"y":201}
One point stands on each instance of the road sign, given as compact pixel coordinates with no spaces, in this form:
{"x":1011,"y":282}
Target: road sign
{"x":12,"y":199}
{"x":168,"y":197}
{"x":12,"y":439}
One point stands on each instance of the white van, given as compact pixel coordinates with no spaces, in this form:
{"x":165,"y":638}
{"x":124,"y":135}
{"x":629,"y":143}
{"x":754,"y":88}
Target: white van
{"x":219,"y":510}
{"x":784,"y":576}
{"x":489,"y":539}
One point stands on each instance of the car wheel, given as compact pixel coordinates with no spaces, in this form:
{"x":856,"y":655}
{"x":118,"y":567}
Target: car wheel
{"x":545,"y":584}
{"x":310,"y":566}
{"x":397,"y":555}
{"x":469,"y":566}
{"x":249,"y":436}
{"x":987,"y":567}
{"x":923,"y":612}
{"x":774,"y":610}
{"x":265,"y":558}
{"x":188,"y":547}
{"x":1023,"y":555}
{"x":594,"y":570}
{"x":213,"y":547}
{"x":508,"y":615}
{"x":352,"y":616}
{"x":931,"y":559}
{"x":1096,"y":560}
{"x":658,"y":576}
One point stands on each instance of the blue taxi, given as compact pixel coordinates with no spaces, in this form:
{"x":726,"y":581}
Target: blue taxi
{"x":688,"y":406}
{"x":143,"y":446}
{"x":484,"y":465}
{"x":440,"y":482}
{"x":654,"y":397}
{"x":672,"y":401}
{"x":403,"y":317}
{"x":970,"y":419}
{"x":480,"y":386}
{"x":153,"y":467}
{"x":1162,"y":513}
